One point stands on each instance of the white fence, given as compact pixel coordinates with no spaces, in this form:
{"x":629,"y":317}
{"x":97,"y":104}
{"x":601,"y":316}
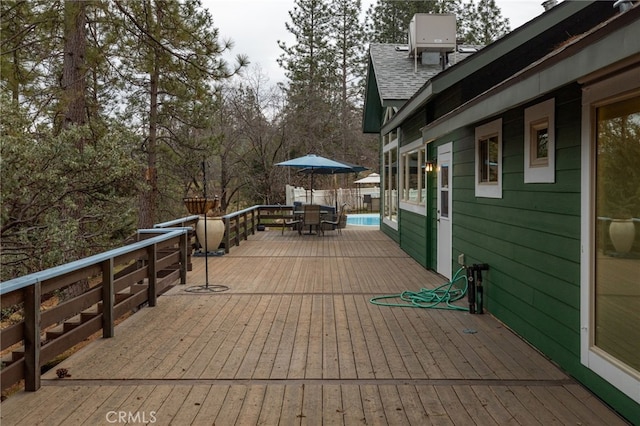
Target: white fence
{"x":354,"y":197}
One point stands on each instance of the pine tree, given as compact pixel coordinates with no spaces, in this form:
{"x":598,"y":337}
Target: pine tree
{"x":74,"y":68}
{"x":170,"y":55}
{"x":29,"y":43}
{"x":482,"y":23}
{"x":310,"y":68}
{"x":308,"y":62}
{"x":350,"y":51}
{"x":388,"y":20}
{"x":66,"y":171}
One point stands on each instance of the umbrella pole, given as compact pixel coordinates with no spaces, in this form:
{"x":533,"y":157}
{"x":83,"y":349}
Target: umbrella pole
{"x":335,"y":191}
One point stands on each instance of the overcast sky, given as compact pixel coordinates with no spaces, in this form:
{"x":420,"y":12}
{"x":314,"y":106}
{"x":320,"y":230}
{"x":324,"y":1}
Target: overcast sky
{"x":255,"y":26}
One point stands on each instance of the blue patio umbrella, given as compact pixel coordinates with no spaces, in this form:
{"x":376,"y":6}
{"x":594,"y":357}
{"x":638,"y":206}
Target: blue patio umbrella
{"x":315,"y":164}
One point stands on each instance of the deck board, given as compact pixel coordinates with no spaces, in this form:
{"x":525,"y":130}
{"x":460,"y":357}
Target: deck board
{"x":295,"y":341}
{"x":211,"y":405}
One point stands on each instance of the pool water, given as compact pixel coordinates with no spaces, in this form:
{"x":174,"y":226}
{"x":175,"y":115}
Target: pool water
{"x":369,"y":219}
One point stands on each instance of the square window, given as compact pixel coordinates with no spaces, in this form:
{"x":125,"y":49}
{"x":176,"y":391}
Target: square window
{"x":539,"y":141}
{"x":540,"y":147}
{"x":489,"y":160}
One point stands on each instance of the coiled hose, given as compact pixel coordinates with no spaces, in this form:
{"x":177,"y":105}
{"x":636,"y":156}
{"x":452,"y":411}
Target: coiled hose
{"x":440,"y":297}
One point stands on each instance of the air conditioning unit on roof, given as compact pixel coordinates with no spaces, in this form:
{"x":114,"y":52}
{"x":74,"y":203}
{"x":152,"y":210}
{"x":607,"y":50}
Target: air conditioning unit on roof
{"x":432,"y":33}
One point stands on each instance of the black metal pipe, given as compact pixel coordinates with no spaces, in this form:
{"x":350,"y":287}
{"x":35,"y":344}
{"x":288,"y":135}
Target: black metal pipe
{"x":471,"y":290}
{"x":206,"y":248}
{"x":479,"y":294}
{"x":478,"y":268}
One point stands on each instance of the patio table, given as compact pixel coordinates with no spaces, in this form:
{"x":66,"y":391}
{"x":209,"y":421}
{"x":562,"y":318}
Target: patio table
{"x":299,"y":214}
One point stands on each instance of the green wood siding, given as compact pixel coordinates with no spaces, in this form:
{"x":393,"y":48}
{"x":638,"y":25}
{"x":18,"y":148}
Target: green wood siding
{"x":413,"y":236}
{"x":447,"y":101}
{"x":390,"y":232}
{"x":531,"y":237}
{"x":411,"y":129}
{"x":373,"y":113}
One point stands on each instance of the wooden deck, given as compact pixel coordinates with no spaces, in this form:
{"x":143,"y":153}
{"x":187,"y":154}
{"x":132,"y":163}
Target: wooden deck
{"x":295,"y":341}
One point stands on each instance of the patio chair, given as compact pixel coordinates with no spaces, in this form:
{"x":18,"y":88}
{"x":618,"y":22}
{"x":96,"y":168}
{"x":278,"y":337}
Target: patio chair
{"x":294,"y":222}
{"x":339,"y":221}
{"x":311,"y":217}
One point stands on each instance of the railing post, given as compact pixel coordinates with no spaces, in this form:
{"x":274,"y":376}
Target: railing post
{"x":108,"y":299}
{"x":32,"y":337}
{"x":184,"y":257}
{"x":259,"y":215}
{"x":152,"y":277}
{"x":253,"y":221}
{"x":227,"y":231}
{"x":245,"y":232}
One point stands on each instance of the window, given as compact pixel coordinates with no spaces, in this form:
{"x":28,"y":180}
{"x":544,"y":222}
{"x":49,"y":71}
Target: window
{"x":539,"y":143}
{"x":489,"y":160}
{"x":539,"y":152}
{"x":444,"y":190}
{"x":617,"y":152}
{"x":389,"y":179}
{"x":413,"y":167}
{"x":610,"y":255}
{"x":390,"y":183}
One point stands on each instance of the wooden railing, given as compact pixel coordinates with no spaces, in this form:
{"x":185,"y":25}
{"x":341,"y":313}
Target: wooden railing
{"x":239,"y":225}
{"x":118,"y":282}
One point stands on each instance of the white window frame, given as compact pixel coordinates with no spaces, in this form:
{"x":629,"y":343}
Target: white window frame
{"x":488,"y":189}
{"x":539,"y":170}
{"x":419,"y":206}
{"x":392,"y":136}
{"x":389,"y":143}
{"x":607,"y":367}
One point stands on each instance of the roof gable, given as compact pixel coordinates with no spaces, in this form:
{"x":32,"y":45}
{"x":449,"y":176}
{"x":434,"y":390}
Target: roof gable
{"x":393,"y":78}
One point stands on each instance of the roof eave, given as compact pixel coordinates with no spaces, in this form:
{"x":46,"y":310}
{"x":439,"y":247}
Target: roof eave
{"x":550,"y":73}
{"x":499,"y":48}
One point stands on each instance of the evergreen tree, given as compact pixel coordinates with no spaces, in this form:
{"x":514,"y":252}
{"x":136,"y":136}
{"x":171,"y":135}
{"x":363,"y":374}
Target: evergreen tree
{"x":388,"y":20}
{"x":482,"y":23}
{"x":170,"y":55}
{"x":350,"y":52}
{"x":67,"y":186}
{"x":309,"y":61}
{"x":350,"y":144}
{"x":67,"y":168}
{"x":45,"y":177}
{"x":310,"y":68}
{"x":29,"y":46}
{"x":73,"y":83}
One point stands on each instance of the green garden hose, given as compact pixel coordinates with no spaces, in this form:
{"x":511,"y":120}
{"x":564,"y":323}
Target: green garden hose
{"x":440,"y":297}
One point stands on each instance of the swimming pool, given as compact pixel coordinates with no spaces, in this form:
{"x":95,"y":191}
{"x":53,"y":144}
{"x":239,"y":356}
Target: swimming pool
{"x":368,"y":219}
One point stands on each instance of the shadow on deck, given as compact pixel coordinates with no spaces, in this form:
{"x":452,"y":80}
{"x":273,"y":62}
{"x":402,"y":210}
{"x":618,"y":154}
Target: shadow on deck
{"x":295,"y":341}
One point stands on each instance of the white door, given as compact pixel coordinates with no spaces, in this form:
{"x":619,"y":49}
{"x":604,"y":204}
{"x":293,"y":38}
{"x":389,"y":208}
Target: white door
{"x":445,"y":174}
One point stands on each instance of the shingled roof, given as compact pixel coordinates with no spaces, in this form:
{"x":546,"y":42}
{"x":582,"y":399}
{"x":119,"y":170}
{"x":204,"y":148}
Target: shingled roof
{"x":397,"y":77}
